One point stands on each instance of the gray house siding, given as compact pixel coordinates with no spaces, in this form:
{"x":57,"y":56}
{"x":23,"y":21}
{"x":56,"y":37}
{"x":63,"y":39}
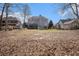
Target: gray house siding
{"x":40,"y":21}
{"x":69,"y":24}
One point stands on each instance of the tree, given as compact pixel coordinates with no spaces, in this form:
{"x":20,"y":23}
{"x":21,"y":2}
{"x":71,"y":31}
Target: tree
{"x":5,"y":9}
{"x":7,"y":6}
{"x":50,"y":25}
{"x":74,"y":7}
{"x":12,"y":8}
{"x":25,"y":12}
{"x":1,"y":16}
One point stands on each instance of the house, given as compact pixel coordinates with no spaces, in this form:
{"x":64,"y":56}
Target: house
{"x":38,"y":22}
{"x":11,"y":22}
{"x":68,"y":24}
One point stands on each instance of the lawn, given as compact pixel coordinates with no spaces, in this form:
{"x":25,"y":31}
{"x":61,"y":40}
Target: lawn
{"x":39,"y":42}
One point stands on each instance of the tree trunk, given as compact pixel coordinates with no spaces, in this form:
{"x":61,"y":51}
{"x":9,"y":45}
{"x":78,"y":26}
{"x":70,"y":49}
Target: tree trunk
{"x":6,"y":22}
{"x":1,"y":16}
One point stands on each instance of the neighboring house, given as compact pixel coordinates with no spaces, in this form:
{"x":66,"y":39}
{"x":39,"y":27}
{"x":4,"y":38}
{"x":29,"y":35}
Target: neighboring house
{"x":12,"y":22}
{"x":19,"y":25}
{"x":68,"y":24}
{"x":38,"y":22}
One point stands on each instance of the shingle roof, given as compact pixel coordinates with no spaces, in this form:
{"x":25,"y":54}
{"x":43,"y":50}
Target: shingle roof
{"x":65,"y":20}
{"x":10,"y":18}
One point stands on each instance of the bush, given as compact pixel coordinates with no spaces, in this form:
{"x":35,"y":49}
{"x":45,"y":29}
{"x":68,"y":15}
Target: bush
{"x":33,"y":26}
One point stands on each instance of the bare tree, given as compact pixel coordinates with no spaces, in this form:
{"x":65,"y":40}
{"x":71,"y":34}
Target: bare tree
{"x":74,"y":7}
{"x":3,"y":8}
{"x":25,"y":12}
{"x":7,"y":6}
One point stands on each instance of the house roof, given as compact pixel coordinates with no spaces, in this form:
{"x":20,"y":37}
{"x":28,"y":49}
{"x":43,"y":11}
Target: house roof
{"x":10,"y":18}
{"x":65,"y":20}
{"x":40,"y":20}
{"x":37,"y":18}
{"x":68,"y":21}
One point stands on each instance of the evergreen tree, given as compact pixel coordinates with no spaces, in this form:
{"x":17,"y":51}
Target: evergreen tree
{"x":50,"y":25}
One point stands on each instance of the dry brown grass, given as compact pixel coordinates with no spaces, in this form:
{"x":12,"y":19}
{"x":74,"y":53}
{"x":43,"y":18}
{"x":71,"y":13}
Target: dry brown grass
{"x":39,"y":42}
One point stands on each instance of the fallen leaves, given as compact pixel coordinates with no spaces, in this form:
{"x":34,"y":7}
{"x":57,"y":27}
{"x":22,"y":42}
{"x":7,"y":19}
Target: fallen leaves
{"x":38,"y":42}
